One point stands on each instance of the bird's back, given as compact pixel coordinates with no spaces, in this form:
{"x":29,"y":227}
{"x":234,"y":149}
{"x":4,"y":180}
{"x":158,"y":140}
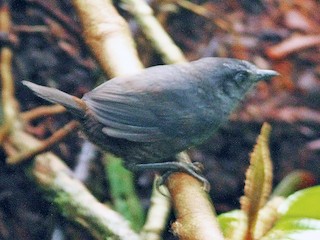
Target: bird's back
{"x":163,"y":103}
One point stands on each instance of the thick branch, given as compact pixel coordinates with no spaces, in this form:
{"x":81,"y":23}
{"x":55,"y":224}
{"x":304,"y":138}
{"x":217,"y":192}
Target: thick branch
{"x":108,"y":36}
{"x":153,"y":30}
{"x":70,"y":196}
{"x":194,"y":211}
{"x":9,"y":103}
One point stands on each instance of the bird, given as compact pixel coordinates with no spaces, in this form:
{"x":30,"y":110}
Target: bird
{"x":149,"y":117}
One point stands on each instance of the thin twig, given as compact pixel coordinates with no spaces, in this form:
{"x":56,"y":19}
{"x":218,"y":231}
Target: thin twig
{"x":42,"y":111}
{"x":291,"y":45}
{"x":45,"y":145}
{"x":9,"y":148}
{"x":30,"y":29}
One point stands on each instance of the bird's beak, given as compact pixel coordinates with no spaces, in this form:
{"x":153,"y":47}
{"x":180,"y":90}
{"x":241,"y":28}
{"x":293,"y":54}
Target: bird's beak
{"x":266,"y":74}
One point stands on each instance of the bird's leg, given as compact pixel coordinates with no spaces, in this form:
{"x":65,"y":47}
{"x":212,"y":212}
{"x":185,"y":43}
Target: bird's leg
{"x":193,"y":169}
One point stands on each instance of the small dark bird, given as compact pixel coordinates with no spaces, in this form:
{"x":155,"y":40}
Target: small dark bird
{"x":149,"y":117}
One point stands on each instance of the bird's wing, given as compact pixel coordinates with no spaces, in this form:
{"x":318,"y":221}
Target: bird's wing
{"x":125,"y":110}
{"x":123,"y":116}
{"x":155,"y":105}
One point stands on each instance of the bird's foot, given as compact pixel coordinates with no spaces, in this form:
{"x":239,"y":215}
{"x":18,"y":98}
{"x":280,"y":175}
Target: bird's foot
{"x":194,"y":169}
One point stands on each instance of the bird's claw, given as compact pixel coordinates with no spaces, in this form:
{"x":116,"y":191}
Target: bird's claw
{"x":194,"y":169}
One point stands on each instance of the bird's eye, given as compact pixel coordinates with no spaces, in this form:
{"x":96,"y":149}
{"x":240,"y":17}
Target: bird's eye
{"x":241,"y":77}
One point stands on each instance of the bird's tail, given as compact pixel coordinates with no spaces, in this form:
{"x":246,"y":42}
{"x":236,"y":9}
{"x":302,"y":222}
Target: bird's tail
{"x":71,"y":103}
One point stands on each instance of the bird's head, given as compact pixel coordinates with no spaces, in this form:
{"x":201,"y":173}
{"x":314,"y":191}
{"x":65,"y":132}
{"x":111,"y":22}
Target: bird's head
{"x":233,"y":77}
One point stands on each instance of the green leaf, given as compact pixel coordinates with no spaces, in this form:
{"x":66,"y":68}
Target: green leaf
{"x":233,"y":224}
{"x":295,"y":229}
{"x":304,"y":203}
{"x":122,"y":189}
{"x":300,"y":217}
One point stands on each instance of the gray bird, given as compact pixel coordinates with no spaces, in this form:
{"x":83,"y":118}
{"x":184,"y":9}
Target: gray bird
{"x":149,"y":117}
